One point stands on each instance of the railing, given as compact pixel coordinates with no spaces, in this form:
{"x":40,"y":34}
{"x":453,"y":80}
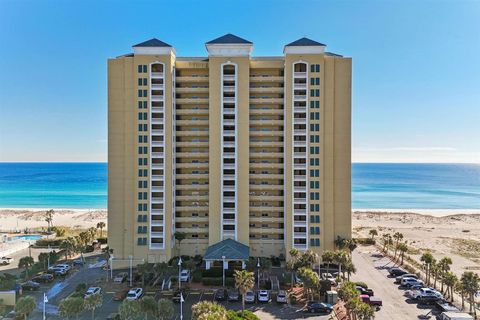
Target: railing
{"x":300,"y":97}
{"x":299,"y":74}
{"x":157,"y":74}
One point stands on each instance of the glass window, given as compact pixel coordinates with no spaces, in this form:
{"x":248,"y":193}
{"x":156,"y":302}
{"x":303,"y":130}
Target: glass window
{"x":145,"y":94}
{"x":317,"y":92}
{"x":144,"y":68}
{"x":139,"y":68}
{"x":317,"y":68}
{"x":140,"y":81}
{"x":312,"y":93}
{"x":312,"y":68}
{"x":312,"y":81}
{"x":145,"y":104}
{"x":312,"y":242}
{"x":144,"y":81}
{"x":317,"y":81}
{"x":140,"y":93}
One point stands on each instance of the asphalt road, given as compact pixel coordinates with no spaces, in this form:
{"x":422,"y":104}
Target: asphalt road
{"x":13,"y":267}
{"x":372,"y":270}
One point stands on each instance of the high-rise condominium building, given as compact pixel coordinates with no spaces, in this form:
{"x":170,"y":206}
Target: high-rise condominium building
{"x":243,"y":155}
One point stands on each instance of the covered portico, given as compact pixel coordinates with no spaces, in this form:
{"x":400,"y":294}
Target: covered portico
{"x":225,"y":251}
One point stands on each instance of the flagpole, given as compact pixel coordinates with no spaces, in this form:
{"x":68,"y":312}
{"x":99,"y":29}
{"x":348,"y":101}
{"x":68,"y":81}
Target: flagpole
{"x":181,"y":306}
{"x":44,"y":302}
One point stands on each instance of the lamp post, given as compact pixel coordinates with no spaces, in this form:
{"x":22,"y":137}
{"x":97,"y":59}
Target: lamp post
{"x":181,"y":306}
{"x":179,"y":272}
{"x":223,"y":269}
{"x":258,"y":273}
{"x":48,"y":259}
{"x":319,"y":258}
{"x":130,"y":257}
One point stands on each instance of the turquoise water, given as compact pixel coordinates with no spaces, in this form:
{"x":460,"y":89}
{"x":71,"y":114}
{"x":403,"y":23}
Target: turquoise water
{"x":415,"y":186}
{"x":29,"y":238}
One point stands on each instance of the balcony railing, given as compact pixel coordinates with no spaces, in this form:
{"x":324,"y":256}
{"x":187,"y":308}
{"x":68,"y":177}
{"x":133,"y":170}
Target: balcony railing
{"x":299,"y":74}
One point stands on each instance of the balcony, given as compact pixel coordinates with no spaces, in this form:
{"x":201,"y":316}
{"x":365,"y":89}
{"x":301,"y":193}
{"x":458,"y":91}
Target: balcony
{"x":266,"y":89}
{"x":300,"y":235}
{"x":157,"y":144}
{"x":266,"y":78}
{"x":229,"y":133}
{"x":192,"y":133}
{"x":157,"y":86}
{"x":229,"y":221}
{"x":157,"y":120}
{"x":266,"y":165}
{"x":228,"y":88}
{"x":299,"y":86}
{"x":267,"y":176}
{"x":158,"y":154}
{"x":228,"y":99}
{"x":266,"y":154}
{"x":157,"y":132}
{"x":192,"y":122}
{"x":203,"y":111}
{"x":300,"y":177}
{"x":268,"y":122}
{"x":266,"y":198}
{"x":157,"y":75}
{"x":156,"y":245}
{"x":192,"y":100}
{"x":300,"y":97}
{"x":191,"y":90}
{"x":192,"y":78}
{"x":267,"y":100}
{"x":301,"y":247}
{"x":192,"y":144}
{"x":300,"y":132}
{"x":228,"y":233}
{"x":228,"y":77}
{"x":157,"y":188}
{"x":299,"y":120}
{"x":157,"y":97}
{"x":299,"y":74}
{"x":189,"y":165}
{"x":157,"y":200}
{"x":192,"y":209}
{"x":157,"y":177}
{"x":192,"y":219}
{"x":266,"y":111}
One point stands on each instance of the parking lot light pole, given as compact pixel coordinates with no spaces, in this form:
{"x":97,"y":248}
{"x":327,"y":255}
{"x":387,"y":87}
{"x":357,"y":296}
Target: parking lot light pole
{"x":181,"y":306}
{"x":130,"y":257}
{"x":223,"y":269}
{"x":258,"y":273}
{"x":179,"y":273}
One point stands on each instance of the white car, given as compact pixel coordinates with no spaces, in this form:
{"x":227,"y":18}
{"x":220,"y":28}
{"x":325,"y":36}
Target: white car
{"x":263,"y":296}
{"x":134,"y":294}
{"x":281,"y":296}
{"x":6,"y":260}
{"x":93,"y":290}
{"x":184,"y":275}
{"x":65,"y":266}
{"x":426,"y":292}
{"x":408,"y":275}
{"x":249,"y":297}
{"x":408,"y":282}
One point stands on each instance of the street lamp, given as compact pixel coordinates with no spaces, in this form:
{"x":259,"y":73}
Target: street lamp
{"x":258,"y":273}
{"x":181,"y":306}
{"x":179,"y":272}
{"x":130,"y":257}
{"x":223,"y":269}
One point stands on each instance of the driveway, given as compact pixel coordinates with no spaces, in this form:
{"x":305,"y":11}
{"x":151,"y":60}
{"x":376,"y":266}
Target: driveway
{"x":372,"y":270}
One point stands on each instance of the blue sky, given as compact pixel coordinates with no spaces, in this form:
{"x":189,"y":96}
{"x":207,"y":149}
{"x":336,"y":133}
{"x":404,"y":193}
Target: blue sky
{"x":416,"y":73}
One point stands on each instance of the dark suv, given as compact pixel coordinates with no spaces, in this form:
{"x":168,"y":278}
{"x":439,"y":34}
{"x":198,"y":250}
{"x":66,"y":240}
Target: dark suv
{"x":395,"y":272}
{"x":318,"y":307}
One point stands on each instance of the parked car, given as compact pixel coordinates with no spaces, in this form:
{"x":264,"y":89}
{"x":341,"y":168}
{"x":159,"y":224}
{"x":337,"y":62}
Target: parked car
{"x":428,"y":299}
{"x":185,"y":275}
{"x":406,"y":275}
{"x":426,"y":292}
{"x":408,"y":282}
{"x":318,"y":307}
{"x":233,"y":295}
{"x":93,"y":290}
{"x":281,"y":296}
{"x":329,"y":277}
{"x":455,"y":316}
{"x":372,"y":301}
{"x":367,"y":291}
{"x":65,"y":266}
{"x":43,"y":278}
{"x":13,"y":315}
{"x":120,"y":295}
{"x":220,"y":295}
{"x":30,"y":286}
{"x":249,"y":297}
{"x":134,"y":294}
{"x":395,"y":272}
{"x":120,"y":277}
{"x":78,"y":262}
{"x":6,"y":260}
{"x":176,"y":295}
{"x":263,"y":296}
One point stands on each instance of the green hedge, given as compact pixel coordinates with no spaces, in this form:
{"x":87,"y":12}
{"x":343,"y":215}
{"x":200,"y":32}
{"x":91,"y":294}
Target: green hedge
{"x":48,"y":242}
{"x":229,"y":282}
{"x":238,"y":315}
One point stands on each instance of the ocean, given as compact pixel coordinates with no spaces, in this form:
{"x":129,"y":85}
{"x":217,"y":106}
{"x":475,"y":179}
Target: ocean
{"x":374,"y":185}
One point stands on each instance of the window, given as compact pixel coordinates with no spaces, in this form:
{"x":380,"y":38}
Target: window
{"x":144,"y":68}
{"x":312,"y":241}
{"x":317,"y":92}
{"x":144,"y":104}
{"x":312,"y":104}
{"x":140,"y":127}
{"x":140,"y":81}
{"x":145,"y":94}
{"x":312,"y":68}
{"x":142,"y":241}
{"x":317,"y":68}
{"x":145,"y":208}
{"x":140,"y":173}
{"x":317,"y":104}
{"x":139,"y":68}
{"x":142,"y":229}
{"x":317,"y":81}
{"x":140,"y":93}
{"x":317,"y":219}
{"x":312,"y":93}
{"x":312,"y":230}
{"x":140,"y":105}
{"x":144,"y":81}
{"x":312,"y":81}
{"x":317,"y":116}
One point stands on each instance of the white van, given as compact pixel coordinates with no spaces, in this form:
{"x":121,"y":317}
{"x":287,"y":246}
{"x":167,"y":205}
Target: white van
{"x":452,"y":315}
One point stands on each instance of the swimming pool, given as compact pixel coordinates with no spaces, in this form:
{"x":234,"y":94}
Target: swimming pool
{"x":26,"y":238}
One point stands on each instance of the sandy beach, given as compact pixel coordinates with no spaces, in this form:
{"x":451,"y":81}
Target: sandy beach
{"x":452,"y":232}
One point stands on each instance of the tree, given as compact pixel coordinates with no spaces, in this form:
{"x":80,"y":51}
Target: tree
{"x":373,"y":233}
{"x":165,"y":309}
{"x":244,"y":281}
{"x":25,"y":262}
{"x":93,"y":302}
{"x":352,"y":305}
{"x":310,"y":280}
{"x":59,"y":232}
{"x":180,"y":236}
{"x":206,"y":310}
{"x":68,"y":245}
{"x":471,"y":284}
{"x":365,"y":312}
{"x":130,"y":310}
{"x":7,"y":281}
{"x":341,"y":258}
{"x":402,"y":248}
{"x":449,"y":279}
{"x":349,"y":294}
{"x":444,"y":265}
{"x":340,"y":243}
{"x":292,"y":263}
{"x":159,"y":269}
{"x":49,"y":218}
{"x":397,"y":236}
{"x":25,"y":306}
{"x":349,"y":268}
{"x":70,"y":307}
{"x":148,"y":305}
{"x":327,"y":257}
{"x":143,"y":269}
{"x":427,"y":260}
{"x":435,"y":272}
{"x":350,"y":244}
{"x":100,"y":226}
{"x":387,"y":241}
{"x":92,"y":232}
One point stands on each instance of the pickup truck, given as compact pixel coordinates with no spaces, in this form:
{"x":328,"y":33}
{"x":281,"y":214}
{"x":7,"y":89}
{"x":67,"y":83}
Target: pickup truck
{"x":5,"y":260}
{"x":371,"y":301}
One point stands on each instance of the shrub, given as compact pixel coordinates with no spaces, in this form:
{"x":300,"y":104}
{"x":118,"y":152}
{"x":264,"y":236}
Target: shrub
{"x":217,"y":272}
{"x":362,"y":284}
{"x":237,"y":315}
{"x":197,"y":276}
{"x":218,"y":281}
{"x":81,"y":287}
{"x":48,"y":242}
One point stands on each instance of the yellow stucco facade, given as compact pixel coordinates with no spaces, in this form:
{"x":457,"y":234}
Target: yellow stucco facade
{"x":228,"y":146}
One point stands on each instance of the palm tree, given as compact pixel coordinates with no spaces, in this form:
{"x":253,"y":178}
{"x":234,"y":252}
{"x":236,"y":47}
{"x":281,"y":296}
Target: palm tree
{"x":341,"y":258}
{"x":244,"y":281}
{"x":148,"y":306}
{"x":444,"y":265}
{"x":92,"y":231}
{"x":340,"y":243}
{"x":180,"y":236}
{"x":70,"y":307}
{"x":397,"y":236}
{"x":427,"y":260}
{"x":49,"y":218}
{"x":25,"y":306}
{"x":143,"y":269}
{"x":307,"y":259}
{"x":310,"y":280}
{"x":373,"y":233}
{"x":349,"y":268}
{"x":93,"y":302}
{"x":387,"y":241}
{"x":25,"y":262}
{"x":365,"y":312}
{"x":471,"y":284}
{"x":435,"y":272}
{"x":292,"y":263}
{"x":129,"y":309}
{"x":68,"y":245}
{"x":402,"y":247}
{"x":208,"y":310}
{"x":461,"y":289}
{"x":327,"y":257}
{"x":449,"y":279}
{"x":100,"y":226}
{"x":158,"y":270}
